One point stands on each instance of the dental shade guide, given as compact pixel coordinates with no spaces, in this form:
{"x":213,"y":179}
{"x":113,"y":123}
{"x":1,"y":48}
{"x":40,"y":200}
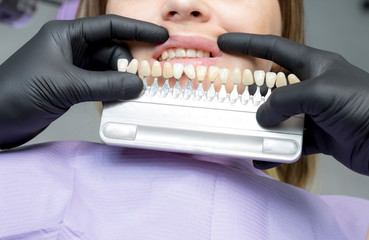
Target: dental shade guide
{"x":144,"y":71}
{"x":270,"y":79}
{"x":259,"y":80}
{"x":132,"y":66}
{"x":193,"y":120}
{"x":201,"y":73}
{"x":247,"y":80}
{"x":235,"y":79}
{"x":155,"y":72}
{"x":177,"y":74}
{"x":189,"y":70}
{"x":223,"y":76}
{"x":212,"y":76}
{"x":167,"y":74}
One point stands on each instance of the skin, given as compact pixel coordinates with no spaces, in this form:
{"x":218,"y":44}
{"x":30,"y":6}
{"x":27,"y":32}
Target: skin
{"x":206,"y":19}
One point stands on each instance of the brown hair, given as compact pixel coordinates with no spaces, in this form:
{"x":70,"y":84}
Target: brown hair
{"x":301,"y":172}
{"x":89,"y":8}
{"x":292,"y":12}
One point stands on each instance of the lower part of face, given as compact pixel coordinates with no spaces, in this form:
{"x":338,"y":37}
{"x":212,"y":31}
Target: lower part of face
{"x":196,"y":24}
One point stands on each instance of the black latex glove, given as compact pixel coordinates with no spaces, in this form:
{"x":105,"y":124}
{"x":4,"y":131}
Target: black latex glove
{"x":52,"y":71}
{"x":334,"y":95}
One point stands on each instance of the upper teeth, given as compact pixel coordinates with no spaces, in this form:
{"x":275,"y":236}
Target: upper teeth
{"x":171,"y":54}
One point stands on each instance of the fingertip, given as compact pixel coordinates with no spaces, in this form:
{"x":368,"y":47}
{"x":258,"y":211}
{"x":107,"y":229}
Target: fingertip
{"x":110,"y":26}
{"x":145,"y":31}
{"x":132,"y":86}
{"x":267,"y":116}
{"x":161,"y":36}
{"x":111,"y":85}
{"x":261,"y":165}
{"x":261,"y":116}
{"x":232,"y":42}
{"x":220,"y":40}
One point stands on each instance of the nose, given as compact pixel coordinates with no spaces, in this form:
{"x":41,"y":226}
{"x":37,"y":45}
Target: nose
{"x":185,"y":10}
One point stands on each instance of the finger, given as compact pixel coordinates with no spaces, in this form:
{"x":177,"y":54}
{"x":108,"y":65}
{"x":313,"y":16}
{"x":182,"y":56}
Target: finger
{"x":311,"y":145}
{"x":264,"y":165}
{"x":285,"y":102}
{"x":108,"y":27}
{"x":316,"y":140}
{"x":107,"y":56}
{"x":291,"y":55}
{"x":103,"y":86}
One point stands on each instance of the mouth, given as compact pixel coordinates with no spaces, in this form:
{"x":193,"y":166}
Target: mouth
{"x":185,"y":49}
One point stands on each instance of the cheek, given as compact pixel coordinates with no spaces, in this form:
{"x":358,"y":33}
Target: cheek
{"x":121,"y":7}
{"x":259,"y":17}
{"x":254,"y":16}
{"x":136,"y":10}
{"x":140,"y":10}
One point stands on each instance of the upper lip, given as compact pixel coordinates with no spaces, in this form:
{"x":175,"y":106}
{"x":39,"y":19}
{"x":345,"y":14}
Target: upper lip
{"x":194,"y":42}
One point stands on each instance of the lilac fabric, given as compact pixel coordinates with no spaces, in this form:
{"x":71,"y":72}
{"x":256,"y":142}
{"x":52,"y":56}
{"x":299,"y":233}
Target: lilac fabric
{"x":78,"y":190}
{"x":68,"y":10}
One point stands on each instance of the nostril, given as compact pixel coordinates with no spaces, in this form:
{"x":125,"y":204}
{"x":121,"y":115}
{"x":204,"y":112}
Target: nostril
{"x":172,"y":13}
{"x":195,"y":13}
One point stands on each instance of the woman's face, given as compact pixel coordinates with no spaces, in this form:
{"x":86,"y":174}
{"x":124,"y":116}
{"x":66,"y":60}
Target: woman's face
{"x":196,"y":25}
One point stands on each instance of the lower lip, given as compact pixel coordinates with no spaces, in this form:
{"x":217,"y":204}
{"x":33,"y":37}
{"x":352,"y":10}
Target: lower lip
{"x":194,"y":61}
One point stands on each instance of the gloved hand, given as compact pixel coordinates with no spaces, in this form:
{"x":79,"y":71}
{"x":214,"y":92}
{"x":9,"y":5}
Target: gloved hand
{"x":53,"y":71}
{"x":334,"y":95}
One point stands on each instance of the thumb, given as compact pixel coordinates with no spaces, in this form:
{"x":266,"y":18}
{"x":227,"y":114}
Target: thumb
{"x":106,"y":56}
{"x":105,"y":86}
{"x":288,"y":101}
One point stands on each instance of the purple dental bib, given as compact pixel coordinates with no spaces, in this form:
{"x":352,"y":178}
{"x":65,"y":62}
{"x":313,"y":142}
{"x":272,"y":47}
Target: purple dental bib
{"x":78,"y":190}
